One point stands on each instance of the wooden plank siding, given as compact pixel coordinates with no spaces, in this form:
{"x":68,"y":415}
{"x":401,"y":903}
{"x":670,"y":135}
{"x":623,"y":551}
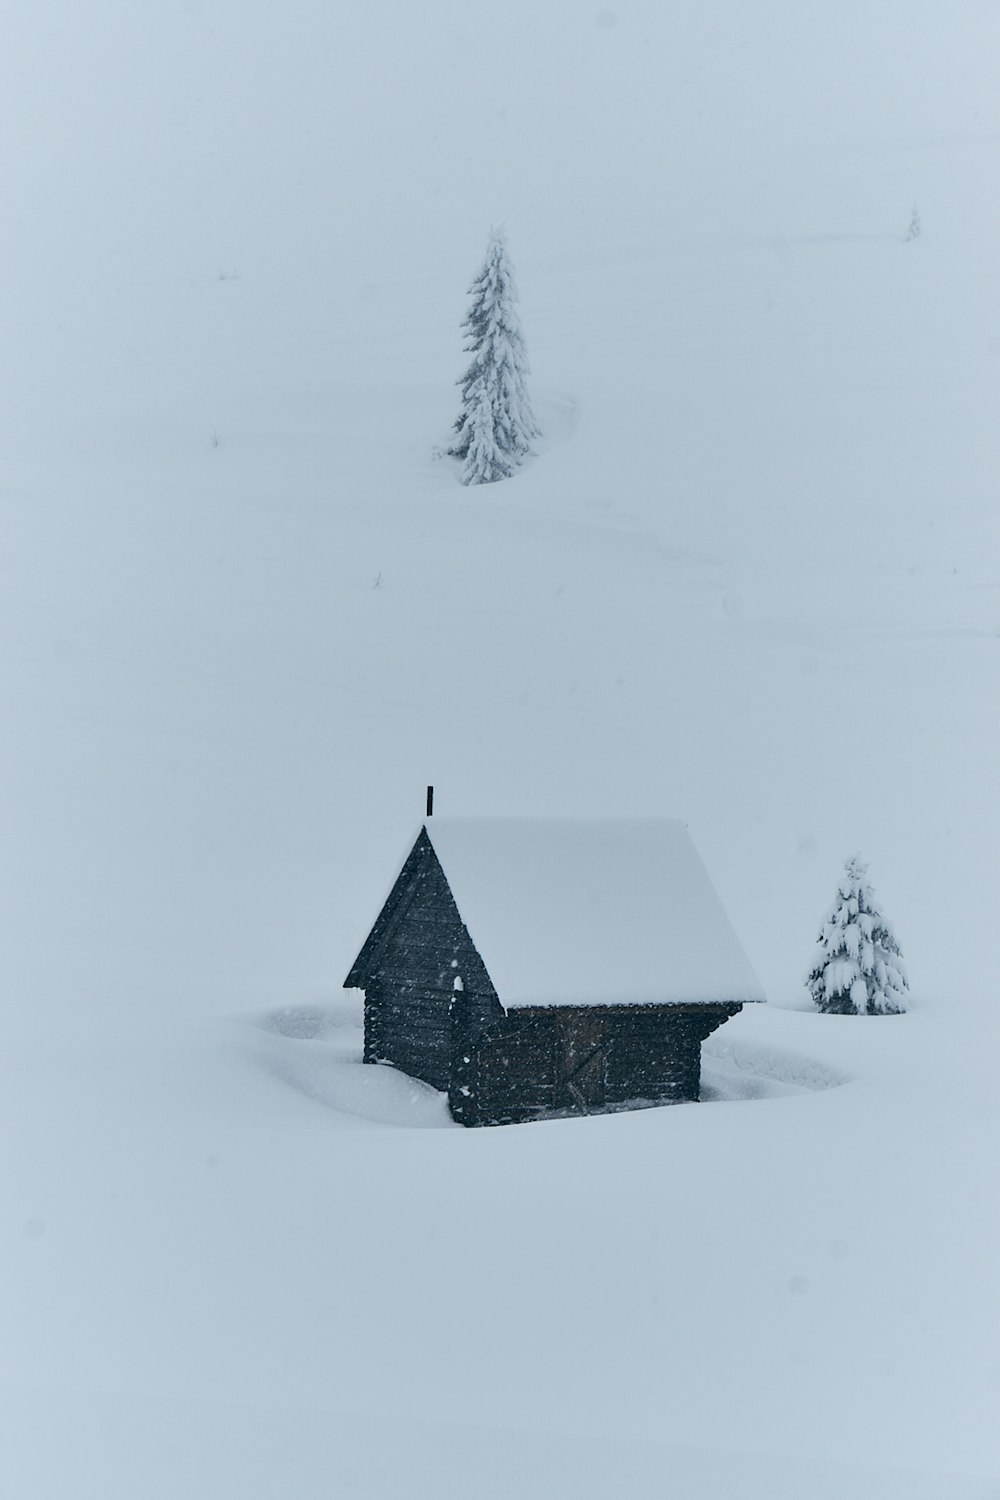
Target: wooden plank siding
{"x":409,"y":974}
{"x":543,"y":1062}
{"x":412,"y":1031}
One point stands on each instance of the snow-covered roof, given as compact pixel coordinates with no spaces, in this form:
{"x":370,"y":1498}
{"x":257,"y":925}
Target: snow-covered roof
{"x":598,"y":912}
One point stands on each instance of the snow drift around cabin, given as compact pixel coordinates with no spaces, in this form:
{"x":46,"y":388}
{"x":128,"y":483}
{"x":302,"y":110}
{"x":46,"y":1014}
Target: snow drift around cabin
{"x":578,"y":912}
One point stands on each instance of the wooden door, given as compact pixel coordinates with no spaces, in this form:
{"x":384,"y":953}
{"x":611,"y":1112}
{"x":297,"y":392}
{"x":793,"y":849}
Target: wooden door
{"x":582,"y":1071}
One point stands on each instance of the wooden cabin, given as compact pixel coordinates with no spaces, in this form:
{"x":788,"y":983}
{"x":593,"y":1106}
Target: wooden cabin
{"x":533,"y":967}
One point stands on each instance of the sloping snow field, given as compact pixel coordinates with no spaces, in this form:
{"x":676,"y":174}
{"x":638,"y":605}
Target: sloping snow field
{"x":752,"y":580}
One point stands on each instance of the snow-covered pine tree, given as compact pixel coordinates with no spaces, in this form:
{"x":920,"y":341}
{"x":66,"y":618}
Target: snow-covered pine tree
{"x":859,"y":970}
{"x":495,"y":426}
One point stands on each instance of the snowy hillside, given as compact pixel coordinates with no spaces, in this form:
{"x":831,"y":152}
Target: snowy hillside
{"x":750,"y":580}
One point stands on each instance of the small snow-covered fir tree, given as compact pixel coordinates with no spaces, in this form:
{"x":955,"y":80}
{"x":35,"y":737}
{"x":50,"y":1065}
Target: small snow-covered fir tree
{"x":495,"y":426}
{"x":859,"y":970}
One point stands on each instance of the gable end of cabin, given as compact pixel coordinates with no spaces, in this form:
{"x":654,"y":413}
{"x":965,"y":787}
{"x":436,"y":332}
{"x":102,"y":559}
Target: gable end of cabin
{"x":408,"y":969}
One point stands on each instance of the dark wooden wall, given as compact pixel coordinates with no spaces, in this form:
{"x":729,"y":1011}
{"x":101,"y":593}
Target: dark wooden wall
{"x":410,"y":988}
{"x":537,"y":1063}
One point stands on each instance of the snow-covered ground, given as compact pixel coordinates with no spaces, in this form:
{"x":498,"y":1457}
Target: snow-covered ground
{"x":751,"y":581}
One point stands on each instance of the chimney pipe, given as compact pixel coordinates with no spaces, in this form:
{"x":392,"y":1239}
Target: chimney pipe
{"x":430,"y":801}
